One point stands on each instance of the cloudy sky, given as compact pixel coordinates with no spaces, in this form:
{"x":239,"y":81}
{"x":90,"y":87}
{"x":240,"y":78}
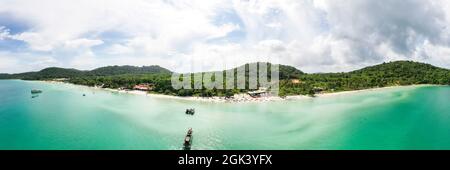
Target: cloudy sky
{"x":312,"y":35}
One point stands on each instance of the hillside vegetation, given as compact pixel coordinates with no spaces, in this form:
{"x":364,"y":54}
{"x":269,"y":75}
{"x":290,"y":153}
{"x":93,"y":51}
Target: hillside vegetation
{"x":386,"y":74}
{"x":292,"y":80}
{"x":55,"y":72}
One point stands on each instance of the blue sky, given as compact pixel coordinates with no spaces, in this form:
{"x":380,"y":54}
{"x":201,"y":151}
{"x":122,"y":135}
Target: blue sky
{"x":199,"y":35}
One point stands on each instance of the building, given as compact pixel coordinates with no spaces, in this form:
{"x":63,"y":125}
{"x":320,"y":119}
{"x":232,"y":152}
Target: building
{"x":143,"y":87}
{"x":258,"y":93}
{"x":296,"y":81}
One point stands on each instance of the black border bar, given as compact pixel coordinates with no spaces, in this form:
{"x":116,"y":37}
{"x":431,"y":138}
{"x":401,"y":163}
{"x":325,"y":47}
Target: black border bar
{"x":278,"y":159}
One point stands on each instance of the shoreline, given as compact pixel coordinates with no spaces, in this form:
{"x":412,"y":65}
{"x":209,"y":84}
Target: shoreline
{"x":373,"y":89}
{"x":244,"y":98}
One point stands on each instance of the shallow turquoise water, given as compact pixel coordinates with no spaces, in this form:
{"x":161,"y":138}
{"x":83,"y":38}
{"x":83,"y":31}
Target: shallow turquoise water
{"x":61,"y":118}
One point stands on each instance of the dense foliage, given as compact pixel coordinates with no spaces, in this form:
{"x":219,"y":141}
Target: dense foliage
{"x":292,"y":81}
{"x":386,"y":74}
{"x":5,"y":76}
{"x":54,"y":72}
{"x":120,"y":70}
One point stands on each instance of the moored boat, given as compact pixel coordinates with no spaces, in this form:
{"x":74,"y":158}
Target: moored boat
{"x":190,"y":111}
{"x":188,"y":140}
{"x":34,"y":91}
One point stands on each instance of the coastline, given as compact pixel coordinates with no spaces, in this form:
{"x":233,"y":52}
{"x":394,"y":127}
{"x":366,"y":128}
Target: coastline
{"x":243,"y":98}
{"x":373,"y":89}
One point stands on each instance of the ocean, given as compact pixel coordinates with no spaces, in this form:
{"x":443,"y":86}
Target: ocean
{"x":61,"y":118}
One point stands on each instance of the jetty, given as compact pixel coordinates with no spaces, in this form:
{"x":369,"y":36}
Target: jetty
{"x":188,"y":140}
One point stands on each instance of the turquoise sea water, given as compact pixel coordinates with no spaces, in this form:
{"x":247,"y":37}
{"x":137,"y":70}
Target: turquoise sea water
{"x":61,"y":118}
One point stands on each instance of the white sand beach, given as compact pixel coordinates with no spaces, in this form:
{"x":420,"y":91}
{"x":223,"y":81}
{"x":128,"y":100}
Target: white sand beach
{"x":238,"y":98}
{"x":243,"y":97}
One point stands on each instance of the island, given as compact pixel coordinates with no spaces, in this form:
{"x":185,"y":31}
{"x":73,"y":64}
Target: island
{"x":157,"y":80}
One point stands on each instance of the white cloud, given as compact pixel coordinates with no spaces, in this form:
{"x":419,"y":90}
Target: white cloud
{"x":223,"y":30}
{"x":376,"y":31}
{"x":24,"y":62}
{"x":84,"y":61}
{"x":7,"y":63}
{"x":314,"y":35}
{"x":82,"y":43}
{"x":272,"y":45}
{"x":4,"y":33}
{"x":59,"y":21}
{"x":118,"y":49}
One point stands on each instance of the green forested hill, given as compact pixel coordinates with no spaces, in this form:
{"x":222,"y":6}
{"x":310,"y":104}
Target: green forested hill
{"x":382,"y":75}
{"x":162,"y":81}
{"x":48,"y":73}
{"x":292,"y":80}
{"x":119,"y":70}
{"x":4,"y":76}
{"x":405,"y":72}
{"x":55,"y":72}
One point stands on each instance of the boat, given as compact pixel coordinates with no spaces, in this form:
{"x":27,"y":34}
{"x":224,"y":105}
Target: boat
{"x":188,"y":140}
{"x":34,"y":91}
{"x":190,"y":111}
{"x":84,"y":95}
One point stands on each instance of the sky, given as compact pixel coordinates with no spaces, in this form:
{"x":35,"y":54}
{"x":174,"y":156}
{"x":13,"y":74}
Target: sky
{"x":205,"y":35}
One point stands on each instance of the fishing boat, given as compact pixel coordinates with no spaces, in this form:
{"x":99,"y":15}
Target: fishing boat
{"x":188,"y":140}
{"x":190,"y":111}
{"x":34,"y":91}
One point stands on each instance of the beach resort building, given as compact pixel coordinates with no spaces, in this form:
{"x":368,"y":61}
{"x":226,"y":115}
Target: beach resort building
{"x":261,"y":92}
{"x":143,"y":87}
{"x":296,"y":81}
